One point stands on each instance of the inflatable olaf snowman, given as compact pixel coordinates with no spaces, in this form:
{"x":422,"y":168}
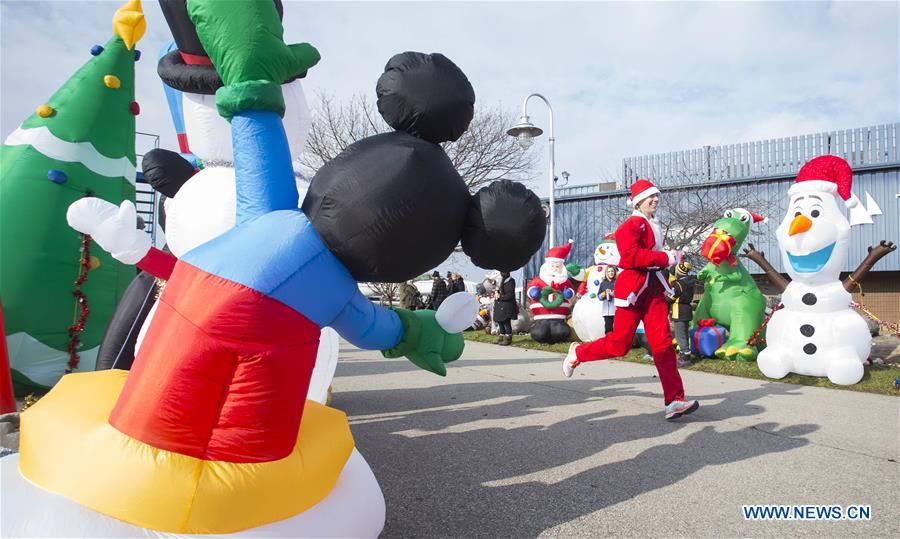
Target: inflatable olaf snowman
{"x":817,"y":333}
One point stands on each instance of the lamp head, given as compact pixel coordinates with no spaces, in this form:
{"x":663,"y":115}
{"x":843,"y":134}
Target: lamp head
{"x":524,"y":132}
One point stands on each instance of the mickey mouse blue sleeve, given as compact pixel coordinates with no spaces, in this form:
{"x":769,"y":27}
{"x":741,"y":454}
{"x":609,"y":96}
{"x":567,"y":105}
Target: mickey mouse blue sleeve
{"x":262,"y":163}
{"x":367,"y":325}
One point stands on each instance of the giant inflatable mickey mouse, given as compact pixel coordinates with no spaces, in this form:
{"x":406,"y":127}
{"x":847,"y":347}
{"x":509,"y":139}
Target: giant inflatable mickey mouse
{"x":209,"y":432}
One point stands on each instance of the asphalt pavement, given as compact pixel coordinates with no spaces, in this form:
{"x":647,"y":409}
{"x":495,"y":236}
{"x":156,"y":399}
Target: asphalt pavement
{"x":504,"y":446}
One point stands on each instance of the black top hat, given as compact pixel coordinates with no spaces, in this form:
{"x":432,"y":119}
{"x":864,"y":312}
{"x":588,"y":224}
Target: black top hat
{"x":188,"y":68}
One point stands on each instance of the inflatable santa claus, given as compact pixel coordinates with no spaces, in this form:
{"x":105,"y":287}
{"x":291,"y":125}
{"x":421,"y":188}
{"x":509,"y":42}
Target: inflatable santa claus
{"x":551,"y":294}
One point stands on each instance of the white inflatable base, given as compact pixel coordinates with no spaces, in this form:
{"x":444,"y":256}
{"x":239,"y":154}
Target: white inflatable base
{"x":355,"y":508}
{"x":587,"y":320}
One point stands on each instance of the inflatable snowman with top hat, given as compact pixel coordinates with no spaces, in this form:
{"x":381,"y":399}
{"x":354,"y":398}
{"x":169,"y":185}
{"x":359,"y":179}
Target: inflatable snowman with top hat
{"x":197,"y":206}
{"x":817,"y":333}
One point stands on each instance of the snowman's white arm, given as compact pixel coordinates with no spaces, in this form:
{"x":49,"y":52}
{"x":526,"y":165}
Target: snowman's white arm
{"x":111,"y":227}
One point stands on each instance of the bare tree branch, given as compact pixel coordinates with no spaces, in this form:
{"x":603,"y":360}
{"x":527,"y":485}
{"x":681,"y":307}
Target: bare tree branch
{"x":483,"y":154}
{"x":386,"y":291}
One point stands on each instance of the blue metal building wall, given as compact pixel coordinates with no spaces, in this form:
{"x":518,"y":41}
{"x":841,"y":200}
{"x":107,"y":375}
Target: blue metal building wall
{"x":586,"y":219}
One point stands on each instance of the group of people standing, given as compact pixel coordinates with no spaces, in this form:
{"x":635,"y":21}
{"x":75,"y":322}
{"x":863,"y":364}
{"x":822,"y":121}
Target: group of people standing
{"x":411,"y":298}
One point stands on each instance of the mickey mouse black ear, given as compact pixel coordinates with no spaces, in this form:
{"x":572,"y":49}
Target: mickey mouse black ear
{"x":426,"y":95}
{"x":505,"y":225}
{"x":166,"y":171}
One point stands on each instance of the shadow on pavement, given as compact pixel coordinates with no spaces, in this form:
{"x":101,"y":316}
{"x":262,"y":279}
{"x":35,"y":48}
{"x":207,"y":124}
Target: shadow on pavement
{"x":517,"y":458}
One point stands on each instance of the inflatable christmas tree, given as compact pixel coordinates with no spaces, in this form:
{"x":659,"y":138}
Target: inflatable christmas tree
{"x":58,"y":289}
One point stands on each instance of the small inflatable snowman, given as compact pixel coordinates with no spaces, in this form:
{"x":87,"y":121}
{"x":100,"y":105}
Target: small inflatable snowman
{"x":817,"y":333}
{"x":607,"y":253}
{"x":588,"y":313}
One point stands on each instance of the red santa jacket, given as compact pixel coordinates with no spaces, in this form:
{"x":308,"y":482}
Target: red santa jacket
{"x":541,"y":312}
{"x":640,"y":259}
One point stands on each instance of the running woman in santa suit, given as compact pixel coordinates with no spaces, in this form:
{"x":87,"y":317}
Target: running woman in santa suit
{"x":639,"y":296}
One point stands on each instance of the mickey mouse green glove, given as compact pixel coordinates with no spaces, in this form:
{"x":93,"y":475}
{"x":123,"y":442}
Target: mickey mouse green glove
{"x":425,"y":342}
{"x":245,"y":41}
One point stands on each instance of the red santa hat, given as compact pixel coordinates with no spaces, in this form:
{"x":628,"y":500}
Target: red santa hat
{"x":831,"y":174}
{"x":559,"y":253}
{"x":640,"y":190}
{"x":609,"y":238}
{"x":754,"y":217}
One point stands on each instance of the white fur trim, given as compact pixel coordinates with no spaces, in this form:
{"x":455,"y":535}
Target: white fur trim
{"x":42,"y":140}
{"x":664,"y":282}
{"x":537,"y":305}
{"x":813,"y":186}
{"x":650,"y":191}
{"x":554,"y":259}
{"x":549,"y":316}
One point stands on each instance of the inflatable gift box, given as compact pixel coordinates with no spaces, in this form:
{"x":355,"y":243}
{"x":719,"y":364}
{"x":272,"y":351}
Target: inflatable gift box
{"x":707,"y":337}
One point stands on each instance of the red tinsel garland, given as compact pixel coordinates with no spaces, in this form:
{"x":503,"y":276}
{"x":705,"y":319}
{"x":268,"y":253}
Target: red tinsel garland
{"x":82,"y":303}
{"x":755,"y":339}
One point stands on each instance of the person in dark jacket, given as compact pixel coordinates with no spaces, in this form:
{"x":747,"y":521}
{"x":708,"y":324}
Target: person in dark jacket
{"x":456,"y":284}
{"x":505,"y":308}
{"x":438,"y":290}
{"x":682,"y":311}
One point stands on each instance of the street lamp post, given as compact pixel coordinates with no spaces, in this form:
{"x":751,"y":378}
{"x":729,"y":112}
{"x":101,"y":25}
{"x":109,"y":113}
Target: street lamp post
{"x":524,"y":132}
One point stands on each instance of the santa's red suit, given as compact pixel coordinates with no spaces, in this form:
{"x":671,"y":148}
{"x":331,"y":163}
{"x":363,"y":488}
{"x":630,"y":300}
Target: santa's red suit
{"x":541,"y":312}
{"x":553,"y":274}
{"x":550,"y":306}
{"x":639,"y":296}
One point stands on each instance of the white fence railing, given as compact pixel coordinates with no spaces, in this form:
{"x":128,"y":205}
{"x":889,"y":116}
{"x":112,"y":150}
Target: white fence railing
{"x":866,"y":146}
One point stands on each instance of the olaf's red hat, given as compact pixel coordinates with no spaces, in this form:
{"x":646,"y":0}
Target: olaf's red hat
{"x":830,"y":174}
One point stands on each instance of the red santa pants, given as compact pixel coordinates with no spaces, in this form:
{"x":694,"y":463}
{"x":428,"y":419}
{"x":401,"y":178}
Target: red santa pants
{"x":652,"y":309}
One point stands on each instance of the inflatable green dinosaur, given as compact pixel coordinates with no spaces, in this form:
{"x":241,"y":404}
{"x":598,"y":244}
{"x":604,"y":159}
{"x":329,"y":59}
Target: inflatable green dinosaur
{"x":730,"y":295}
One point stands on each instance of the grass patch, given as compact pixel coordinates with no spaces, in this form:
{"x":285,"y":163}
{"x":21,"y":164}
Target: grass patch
{"x":877,"y":379}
